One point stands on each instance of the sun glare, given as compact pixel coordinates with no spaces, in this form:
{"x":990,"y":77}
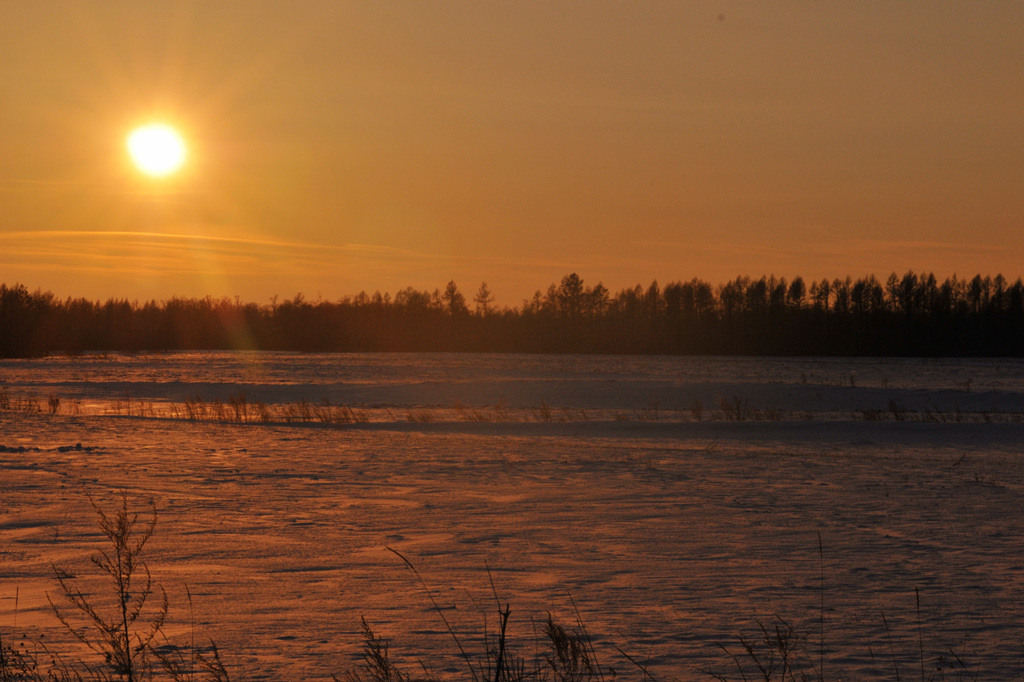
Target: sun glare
{"x":156,"y":149}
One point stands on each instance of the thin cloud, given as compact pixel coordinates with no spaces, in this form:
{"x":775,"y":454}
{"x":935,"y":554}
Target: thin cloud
{"x":130,"y":253}
{"x":860,"y":246}
{"x":160,"y":236}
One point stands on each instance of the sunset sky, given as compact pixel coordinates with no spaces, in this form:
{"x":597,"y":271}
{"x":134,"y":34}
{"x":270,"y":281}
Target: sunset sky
{"x":335,"y":147}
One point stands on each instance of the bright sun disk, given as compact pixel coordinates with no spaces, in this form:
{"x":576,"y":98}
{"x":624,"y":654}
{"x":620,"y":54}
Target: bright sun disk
{"x":156,"y":149}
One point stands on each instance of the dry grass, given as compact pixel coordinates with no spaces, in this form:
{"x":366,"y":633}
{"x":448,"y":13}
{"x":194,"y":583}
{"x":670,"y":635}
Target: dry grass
{"x":566,"y":652}
{"x":239,"y":409}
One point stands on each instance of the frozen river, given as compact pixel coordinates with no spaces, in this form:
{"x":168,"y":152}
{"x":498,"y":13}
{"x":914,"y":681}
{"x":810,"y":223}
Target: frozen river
{"x":676,"y":501}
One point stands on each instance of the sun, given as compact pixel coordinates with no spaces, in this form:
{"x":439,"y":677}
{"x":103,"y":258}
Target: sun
{"x":157,"y":149}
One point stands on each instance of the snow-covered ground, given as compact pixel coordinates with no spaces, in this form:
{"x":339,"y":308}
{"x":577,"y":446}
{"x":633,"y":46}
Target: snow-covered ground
{"x":586,"y":480}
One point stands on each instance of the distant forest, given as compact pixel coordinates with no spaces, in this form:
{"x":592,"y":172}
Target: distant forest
{"x":912,"y":315}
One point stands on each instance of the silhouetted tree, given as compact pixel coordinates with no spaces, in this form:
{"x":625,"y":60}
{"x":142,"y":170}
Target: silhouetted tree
{"x":797,"y":292}
{"x":483,"y":299}
{"x":454,"y":301}
{"x":595,"y":301}
{"x":912,"y":314}
{"x":569,"y":296}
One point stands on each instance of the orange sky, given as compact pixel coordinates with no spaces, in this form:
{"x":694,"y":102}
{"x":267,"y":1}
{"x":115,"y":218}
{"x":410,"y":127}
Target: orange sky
{"x":336,"y":147}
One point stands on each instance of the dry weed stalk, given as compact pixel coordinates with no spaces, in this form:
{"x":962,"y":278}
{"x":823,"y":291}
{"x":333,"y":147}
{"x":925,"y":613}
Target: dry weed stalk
{"x":121,"y":627}
{"x":118,"y":636}
{"x":570,"y":654}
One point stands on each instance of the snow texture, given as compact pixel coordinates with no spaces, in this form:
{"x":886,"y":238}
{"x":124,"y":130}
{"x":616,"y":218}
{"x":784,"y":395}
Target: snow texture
{"x":590,"y":481}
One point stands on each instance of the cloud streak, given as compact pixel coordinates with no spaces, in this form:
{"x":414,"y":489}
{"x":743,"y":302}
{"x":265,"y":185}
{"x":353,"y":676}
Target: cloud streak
{"x":217,"y":264}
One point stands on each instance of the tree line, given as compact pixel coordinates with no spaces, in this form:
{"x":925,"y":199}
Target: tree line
{"x":910,"y":315}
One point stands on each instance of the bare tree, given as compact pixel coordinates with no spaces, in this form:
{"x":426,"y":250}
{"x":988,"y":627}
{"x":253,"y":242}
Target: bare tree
{"x":483,"y":299}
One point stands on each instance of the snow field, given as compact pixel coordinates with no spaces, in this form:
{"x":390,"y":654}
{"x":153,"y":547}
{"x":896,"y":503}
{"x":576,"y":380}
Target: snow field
{"x":668,"y":541}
